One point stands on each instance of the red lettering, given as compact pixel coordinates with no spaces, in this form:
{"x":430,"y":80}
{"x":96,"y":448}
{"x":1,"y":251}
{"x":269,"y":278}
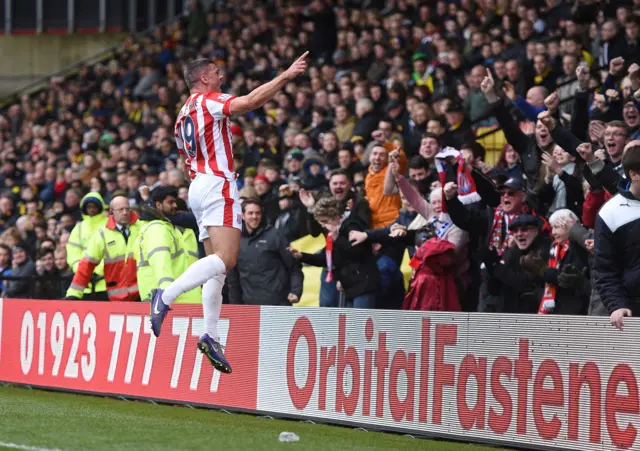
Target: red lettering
{"x":300,"y":396}
{"x":366,"y":396}
{"x":402,"y":409}
{"x":424,"y":370}
{"x":327,"y":360}
{"x":446,"y":335}
{"x":346,"y":358}
{"x":382,"y":362}
{"x":523,"y":375}
{"x":475,"y":416}
{"x":499,"y":423}
{"x":590,"y":375}
{"x":547,"y":397}
{"x":618,"y":403}
{"x":368,"y":359}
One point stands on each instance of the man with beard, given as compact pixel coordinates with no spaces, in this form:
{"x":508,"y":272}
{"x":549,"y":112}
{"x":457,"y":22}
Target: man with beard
{"x":488,"y":226}
{"x":266,"y":272}
{"x":529,"y":147}
{"x":384,"y":209}
{"x":519,"y":271}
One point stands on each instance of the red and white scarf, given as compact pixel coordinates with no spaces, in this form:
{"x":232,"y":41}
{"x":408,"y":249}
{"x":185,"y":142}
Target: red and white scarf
{"x":329,"y":257}
{"x":499,"y":242}
{"x":556,"y":256}
{"x":466,"y":185}
{"x":329,"y":248}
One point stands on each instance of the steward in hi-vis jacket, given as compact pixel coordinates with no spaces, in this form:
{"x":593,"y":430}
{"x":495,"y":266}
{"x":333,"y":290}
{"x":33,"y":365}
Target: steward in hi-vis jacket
{"x":112,"y":244}
{"x":162,"y":250}
{"x":92,"y":206}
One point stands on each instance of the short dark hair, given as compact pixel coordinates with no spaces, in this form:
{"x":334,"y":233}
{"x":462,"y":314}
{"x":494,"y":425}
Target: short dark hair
{"x":431,"y":135}
{"x":251,"y":201}
{"x":341,"y":171}
{"x":160,"y":193}
{"x":476,"y":148}
{"x":631,"y":160}
{"x":418,"y":162}
{"x":192,"y":70}
{"x":45,"y":251}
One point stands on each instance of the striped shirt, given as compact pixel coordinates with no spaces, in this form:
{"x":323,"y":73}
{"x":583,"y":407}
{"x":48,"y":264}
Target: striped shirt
{"x":203,"y":134}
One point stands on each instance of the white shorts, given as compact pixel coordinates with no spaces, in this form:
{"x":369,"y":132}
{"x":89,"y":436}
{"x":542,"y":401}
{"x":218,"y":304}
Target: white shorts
{"x":214,"y":202}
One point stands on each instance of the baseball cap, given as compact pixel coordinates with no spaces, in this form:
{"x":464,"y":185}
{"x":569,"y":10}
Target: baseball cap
{"x":524,"y":220}
{"x":513,"y":183}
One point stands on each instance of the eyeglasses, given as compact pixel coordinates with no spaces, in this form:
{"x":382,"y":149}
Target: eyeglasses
{"x":616,"y":134}
{"x":508,"y":193}
{"x":122,"y":210}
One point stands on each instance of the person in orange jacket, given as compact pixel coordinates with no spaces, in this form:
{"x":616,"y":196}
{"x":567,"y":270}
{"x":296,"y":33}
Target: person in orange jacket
{"x":384,"y":209}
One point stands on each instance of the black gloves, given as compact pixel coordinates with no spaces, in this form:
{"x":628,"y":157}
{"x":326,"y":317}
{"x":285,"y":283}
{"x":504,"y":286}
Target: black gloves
{"x":570,"y":276}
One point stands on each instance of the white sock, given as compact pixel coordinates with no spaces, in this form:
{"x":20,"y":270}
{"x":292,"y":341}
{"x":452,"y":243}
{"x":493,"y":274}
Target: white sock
{"x":212,"y":304}
{"x":195,"y":276}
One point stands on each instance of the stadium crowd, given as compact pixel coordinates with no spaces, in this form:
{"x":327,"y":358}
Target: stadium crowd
{"x":496,"y":141}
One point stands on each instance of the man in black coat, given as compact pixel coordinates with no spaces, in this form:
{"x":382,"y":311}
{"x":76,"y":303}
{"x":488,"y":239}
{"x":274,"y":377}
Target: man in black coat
{"x":616,"y":268}
{"x":266,"y":272}
{"x":519,"y":279}
{"x":22,"y":266}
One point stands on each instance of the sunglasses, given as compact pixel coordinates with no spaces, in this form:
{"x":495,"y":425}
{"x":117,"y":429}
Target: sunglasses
{"x":508,"y":193}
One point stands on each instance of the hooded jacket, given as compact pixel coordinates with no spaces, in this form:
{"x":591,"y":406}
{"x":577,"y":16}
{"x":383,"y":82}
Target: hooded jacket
{"x":433,"y":284}
{"x":80,"y":235}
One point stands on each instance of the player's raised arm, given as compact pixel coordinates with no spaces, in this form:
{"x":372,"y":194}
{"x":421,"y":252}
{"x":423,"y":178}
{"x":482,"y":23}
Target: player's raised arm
{"x":262,"y":94}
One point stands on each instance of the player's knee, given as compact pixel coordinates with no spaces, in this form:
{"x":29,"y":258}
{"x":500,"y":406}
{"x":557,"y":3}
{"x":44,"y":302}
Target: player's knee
{"x":229,"y":260}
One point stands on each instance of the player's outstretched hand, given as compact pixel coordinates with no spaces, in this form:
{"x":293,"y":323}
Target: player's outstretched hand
{"x":298,"y":67}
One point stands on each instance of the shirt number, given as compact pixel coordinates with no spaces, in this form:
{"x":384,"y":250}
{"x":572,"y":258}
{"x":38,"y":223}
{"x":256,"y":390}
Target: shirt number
{"x":189,"y":136}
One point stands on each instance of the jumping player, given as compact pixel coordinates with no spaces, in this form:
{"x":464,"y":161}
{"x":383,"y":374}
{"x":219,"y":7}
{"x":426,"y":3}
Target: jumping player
{"x":203,"y":137}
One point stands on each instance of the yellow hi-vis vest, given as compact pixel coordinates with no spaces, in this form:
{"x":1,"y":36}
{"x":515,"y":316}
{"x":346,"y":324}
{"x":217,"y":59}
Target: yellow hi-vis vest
{"x":78,"y":240}
{"x":161,"y":257}
{"x":187,"y":241}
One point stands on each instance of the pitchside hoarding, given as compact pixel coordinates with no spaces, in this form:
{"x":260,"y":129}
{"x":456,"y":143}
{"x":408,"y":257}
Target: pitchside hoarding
{"x":552,"y":382}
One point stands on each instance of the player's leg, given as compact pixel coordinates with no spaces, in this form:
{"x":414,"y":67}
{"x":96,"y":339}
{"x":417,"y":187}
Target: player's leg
{"x":218,"y":211}
{"x":159,"y":309}
{"x":209,"y":342}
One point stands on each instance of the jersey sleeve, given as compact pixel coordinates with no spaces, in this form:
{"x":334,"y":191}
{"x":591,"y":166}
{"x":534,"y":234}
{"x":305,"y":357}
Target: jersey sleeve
{"x":218,"y":104}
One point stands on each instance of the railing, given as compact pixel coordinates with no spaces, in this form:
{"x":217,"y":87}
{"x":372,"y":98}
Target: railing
{"x":39,"y":84}
{"x":63,"y":283}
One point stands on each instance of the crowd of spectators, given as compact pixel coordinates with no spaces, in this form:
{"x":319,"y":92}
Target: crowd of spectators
{"x":376,"y":147}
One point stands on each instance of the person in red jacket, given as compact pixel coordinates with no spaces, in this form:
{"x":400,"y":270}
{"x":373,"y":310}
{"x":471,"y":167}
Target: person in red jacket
{"x":433,"y":285}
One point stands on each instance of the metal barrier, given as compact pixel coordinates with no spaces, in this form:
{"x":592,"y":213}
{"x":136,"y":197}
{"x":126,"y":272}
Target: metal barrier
{"x":63,"y":283}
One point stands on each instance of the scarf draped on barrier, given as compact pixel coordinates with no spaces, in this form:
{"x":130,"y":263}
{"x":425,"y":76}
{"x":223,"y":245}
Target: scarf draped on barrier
{"x":556,"y":256}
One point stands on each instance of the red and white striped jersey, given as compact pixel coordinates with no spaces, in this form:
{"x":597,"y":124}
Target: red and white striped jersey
{"x":203,"y":134}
